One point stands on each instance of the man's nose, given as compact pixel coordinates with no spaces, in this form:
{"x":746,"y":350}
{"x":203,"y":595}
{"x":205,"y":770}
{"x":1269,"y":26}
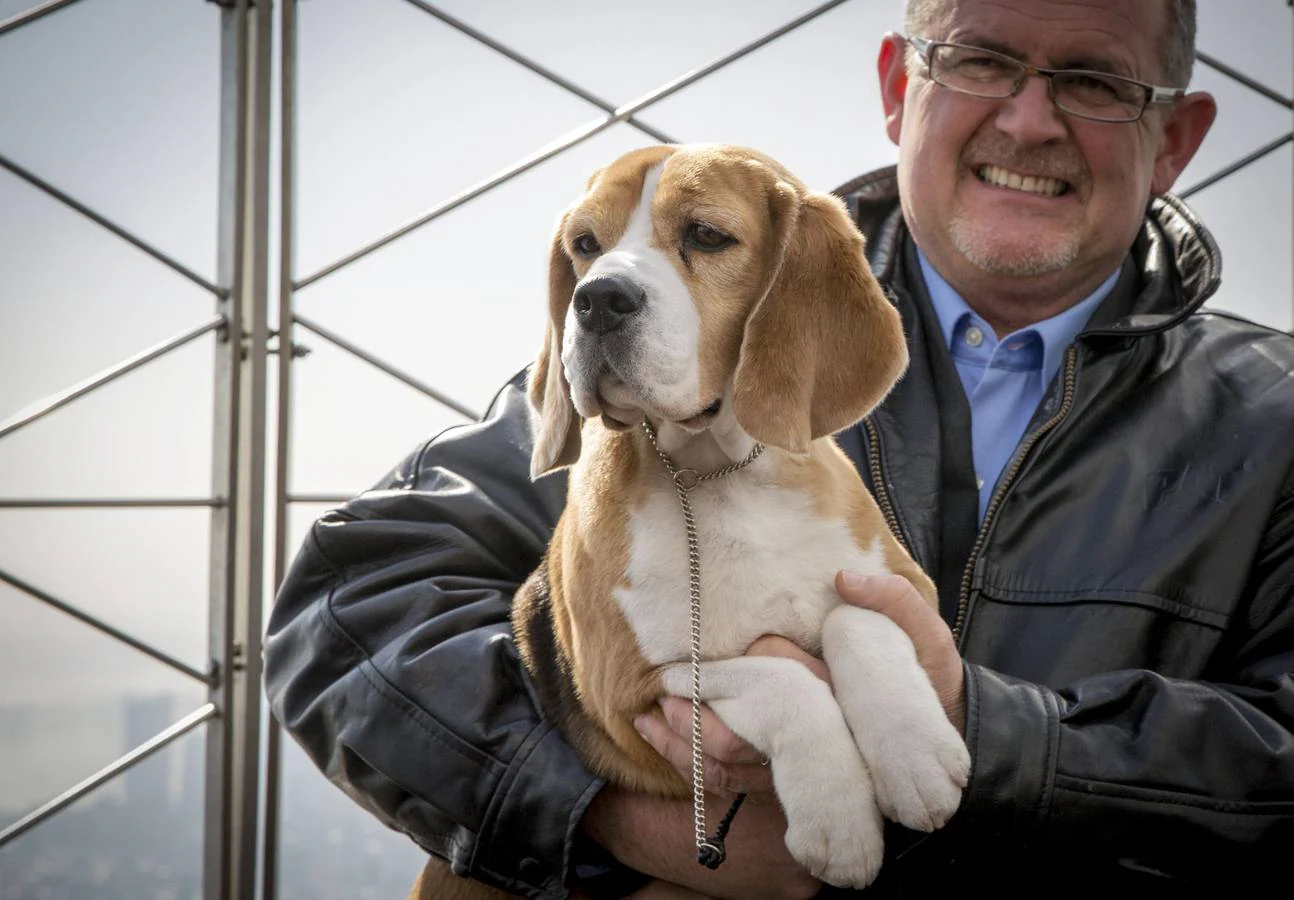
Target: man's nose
{"x":1031,"y":116}
{"x":602,"y":304}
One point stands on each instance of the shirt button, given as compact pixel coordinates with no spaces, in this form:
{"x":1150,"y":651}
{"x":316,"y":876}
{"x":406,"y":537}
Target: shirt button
{"x":974,"y":336}
{"x":979,"y":483}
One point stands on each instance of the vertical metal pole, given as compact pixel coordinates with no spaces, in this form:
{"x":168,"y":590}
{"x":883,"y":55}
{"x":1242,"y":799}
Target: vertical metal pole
{"x":218,"y":805}
{"x":237,"y":537}
{"x":287,"y":207}
{"x":248,"y":617}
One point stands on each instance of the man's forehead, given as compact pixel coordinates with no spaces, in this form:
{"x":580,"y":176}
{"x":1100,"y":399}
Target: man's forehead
{"x":1102,"y":34}
{"x":1046,"y":11}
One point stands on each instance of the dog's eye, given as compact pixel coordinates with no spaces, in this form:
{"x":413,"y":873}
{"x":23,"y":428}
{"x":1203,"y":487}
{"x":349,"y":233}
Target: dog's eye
{"x":586,"y":245}
{"x":704,"y":236}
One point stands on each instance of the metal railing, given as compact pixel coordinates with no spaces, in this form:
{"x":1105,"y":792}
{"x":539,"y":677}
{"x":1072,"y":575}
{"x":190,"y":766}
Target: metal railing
{"x":251,"y":472}
{"x":237,"y":502}
{"x":1249,"y":158}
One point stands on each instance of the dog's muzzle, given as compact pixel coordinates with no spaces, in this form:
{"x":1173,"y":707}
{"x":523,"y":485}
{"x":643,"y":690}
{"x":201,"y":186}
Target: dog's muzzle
{"x":604,"y":303}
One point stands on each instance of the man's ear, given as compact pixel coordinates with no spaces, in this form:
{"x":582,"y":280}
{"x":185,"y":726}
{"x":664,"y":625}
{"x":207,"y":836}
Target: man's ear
{"x":1184,"y":128}
{"x":892,"y":67}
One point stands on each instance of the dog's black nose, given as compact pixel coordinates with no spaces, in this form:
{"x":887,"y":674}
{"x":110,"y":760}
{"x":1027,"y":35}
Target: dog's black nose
{"x":602,"y":304}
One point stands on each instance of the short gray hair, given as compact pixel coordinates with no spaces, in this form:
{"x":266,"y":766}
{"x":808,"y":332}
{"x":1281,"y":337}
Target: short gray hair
{"x":1176,"y":50}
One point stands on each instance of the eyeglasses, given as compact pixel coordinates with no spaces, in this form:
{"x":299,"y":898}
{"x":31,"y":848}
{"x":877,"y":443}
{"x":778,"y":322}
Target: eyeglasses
{"x":1099,"y":96}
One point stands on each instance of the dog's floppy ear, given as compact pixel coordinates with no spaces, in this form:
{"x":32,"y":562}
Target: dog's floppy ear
{"x":556,"y":424}
{"x":824,"y":345}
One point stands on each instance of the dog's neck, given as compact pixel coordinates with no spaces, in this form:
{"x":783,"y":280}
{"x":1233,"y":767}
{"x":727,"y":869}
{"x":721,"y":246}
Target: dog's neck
{"x":723,"y":443}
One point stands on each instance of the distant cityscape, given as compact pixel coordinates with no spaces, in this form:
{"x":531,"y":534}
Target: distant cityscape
{"x":140,"y":837}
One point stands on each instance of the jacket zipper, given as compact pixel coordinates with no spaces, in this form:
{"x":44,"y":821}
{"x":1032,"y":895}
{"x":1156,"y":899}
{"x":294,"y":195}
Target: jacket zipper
{"x":1004,"y":484}
{"x":878,"y":483}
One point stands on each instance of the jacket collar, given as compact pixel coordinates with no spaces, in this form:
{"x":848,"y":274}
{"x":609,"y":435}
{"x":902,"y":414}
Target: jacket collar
{"x":923,"y":427}
{"x":1174,"y":257}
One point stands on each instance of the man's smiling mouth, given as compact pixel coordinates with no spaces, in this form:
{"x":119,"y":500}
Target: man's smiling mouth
{"x":1029,"y":184}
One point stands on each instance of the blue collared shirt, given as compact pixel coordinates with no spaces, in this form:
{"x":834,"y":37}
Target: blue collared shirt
{"x":1004,"y":379}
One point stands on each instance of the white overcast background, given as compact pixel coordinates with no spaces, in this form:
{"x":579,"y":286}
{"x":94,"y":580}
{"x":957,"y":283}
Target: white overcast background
{"x":117,"y":102}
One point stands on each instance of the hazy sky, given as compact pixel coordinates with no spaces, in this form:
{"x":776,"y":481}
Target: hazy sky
{"x":117,"y":102}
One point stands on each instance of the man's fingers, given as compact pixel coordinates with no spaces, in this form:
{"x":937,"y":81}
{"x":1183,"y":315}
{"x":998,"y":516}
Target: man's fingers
{"x":717,"y":739}
{"x":890,"y":595}
{"x":721,"y":776}
{"x":726,"y":779}
{"x":894,"y":596}
{"x":723,"y":779}
{"x":656,"y":731}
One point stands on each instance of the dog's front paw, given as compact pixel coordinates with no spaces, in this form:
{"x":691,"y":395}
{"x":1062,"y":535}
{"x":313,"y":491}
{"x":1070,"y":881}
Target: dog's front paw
{"x":834,"y":828}
{"x":843,"y":847}
{"x":920,"y":770}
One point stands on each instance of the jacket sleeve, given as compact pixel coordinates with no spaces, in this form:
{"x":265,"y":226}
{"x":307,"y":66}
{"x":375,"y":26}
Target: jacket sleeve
{"x":1189,"y":780}
{"x":390,"y":658}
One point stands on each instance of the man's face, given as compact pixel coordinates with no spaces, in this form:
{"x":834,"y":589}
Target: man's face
{"x":958,"y":154}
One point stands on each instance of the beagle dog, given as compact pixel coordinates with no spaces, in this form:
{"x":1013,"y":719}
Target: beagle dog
{"x":703,"y":304}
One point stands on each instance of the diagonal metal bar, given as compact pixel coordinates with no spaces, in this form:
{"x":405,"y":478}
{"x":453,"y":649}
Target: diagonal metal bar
{"x":574,"y":138}
{"x":105,"y":628}
{"x":579,"y":136}
{"x":13,"y":23}
{"x":111,"y":503}
{"x":320,"y":498}
{"x":1238,"y":165}
{"x":42,"y":408}
{"x":188,"y":723}
{"x":1244,"y":79}
{"x":333,"y":338}
{"x":539,"y":69}
{"x":68,"y":200}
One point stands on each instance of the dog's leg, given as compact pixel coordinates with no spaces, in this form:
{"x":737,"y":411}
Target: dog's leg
{"x":780,"y":708}
{"x":919,"y":762}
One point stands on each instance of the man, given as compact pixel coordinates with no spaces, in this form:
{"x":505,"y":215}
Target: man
{"x":1098,"y":474}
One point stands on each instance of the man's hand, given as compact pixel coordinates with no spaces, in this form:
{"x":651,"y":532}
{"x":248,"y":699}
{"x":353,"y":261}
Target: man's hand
{"x":894,"y":597}
{"x":655,"y":836}
{"x":730,"y":765}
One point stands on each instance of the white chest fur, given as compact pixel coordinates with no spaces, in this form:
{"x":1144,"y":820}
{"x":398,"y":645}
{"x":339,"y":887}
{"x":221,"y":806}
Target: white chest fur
{"x":768,"y":564}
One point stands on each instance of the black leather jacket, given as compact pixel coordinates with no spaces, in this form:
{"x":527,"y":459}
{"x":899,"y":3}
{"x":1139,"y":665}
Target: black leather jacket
{"x":1126,"y":611}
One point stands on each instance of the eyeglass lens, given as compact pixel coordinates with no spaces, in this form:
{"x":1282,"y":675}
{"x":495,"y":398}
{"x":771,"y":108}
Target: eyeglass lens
{"x":987,"y":74}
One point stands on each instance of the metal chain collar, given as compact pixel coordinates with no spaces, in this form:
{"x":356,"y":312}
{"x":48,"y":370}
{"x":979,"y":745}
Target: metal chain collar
{"x":684,"y":481}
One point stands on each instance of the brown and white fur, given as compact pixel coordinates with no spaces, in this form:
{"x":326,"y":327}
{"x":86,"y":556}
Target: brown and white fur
{"x":704,"y":288}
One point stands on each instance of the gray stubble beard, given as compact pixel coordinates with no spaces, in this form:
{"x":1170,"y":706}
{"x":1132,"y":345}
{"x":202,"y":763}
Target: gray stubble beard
{"x":970,"y":240}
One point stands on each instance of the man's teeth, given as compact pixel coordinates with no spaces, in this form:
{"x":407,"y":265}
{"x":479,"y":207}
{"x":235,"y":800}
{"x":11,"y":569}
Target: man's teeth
{"x":1031,"y":184}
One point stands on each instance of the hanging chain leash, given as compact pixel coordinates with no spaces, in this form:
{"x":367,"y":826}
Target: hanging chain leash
{"x":710,"y":850}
